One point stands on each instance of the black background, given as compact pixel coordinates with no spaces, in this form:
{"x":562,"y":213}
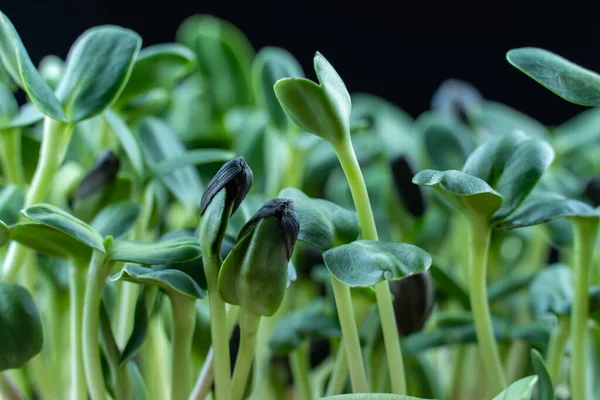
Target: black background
{"x":399,"y":50}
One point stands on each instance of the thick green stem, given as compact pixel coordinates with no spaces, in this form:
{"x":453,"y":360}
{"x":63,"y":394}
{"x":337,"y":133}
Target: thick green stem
{"x":556,"y":349}
{"x":12,"y":161}
{"x":249,"y":323}
{"x":347,"y":157}
{"x":299,"y":360}
{"x":97,"y":273}
{"x":184,"y":321}
{"x":8,"y":390}
{"x":77,"y":283}
{"x":339,"y":375}
{"x":294,"y":176}
{"x":356,"y":365}
{"x":585,"y":239}
{"x":126,"y":312}
{"x":155,"y":354}
{"x":56,"y":137}
{"x":479,"y":241}
{"x":219,"y":334}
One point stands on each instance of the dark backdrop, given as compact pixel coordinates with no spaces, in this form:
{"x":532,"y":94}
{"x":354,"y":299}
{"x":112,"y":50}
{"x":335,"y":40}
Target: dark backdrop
{"x":398,"y":50}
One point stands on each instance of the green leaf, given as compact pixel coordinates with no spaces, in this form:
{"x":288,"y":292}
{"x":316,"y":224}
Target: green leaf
{"x":21,"y":330}
{"x":371,"y":396}
{"x":447,"y":281}
{"x":512,"y":164}
{"x":323,"y":109}
{"x":539,"y":212}
{"x":98,"y":67}
{"x":128,"y":140}
{"x":140,"y":325}
{"x":160,"y":143}
{"x":506,"y":286}
{"x":519,"y":390}
{"x":193,"y":158}
{"x":28,"y":115}
{"x":8,"y":106}
{"x":157,"y":66}
{"x":54,"y":243}
{"x":170,"y":280}
{"x":323,"y":224}
{"x":557,"y":74}
{"x":496,"y":119}
{"x":270,"y":65}
{"x":316,"y":320}
{"x":11,"y":203}
{"x":552,"y":290}
{"x":366,"y":262}
{"x":545,"y":387}
{"x":116,"y":219}
{"x":577,"y":133}
{"x":58,"y":219}
{"x":466,"y":193}
{"x":21,"y":69}
{"x":162,"y":252}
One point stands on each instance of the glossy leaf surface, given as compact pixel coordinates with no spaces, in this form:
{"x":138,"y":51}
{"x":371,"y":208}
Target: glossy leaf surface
{"x":168,"y":280}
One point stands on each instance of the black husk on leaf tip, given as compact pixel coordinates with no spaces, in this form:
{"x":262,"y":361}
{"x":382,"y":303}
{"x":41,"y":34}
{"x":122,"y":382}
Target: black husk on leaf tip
{"x":236,"y":177}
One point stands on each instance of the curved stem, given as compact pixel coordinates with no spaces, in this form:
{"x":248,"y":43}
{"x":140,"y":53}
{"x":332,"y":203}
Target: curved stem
{"x":76,"y":293}
{"x":300,"y":366}
{"x":556,"y":349}
{"x":356,"y":365}
{"x":585,"y":239}
{"x":12,"y":161}
{"x":97,"y":273}
{"x":479,"y":241}
{"x":8,"y":390}
{"x":184,"y":321}
{"x":56,"y":137}
{"x":249,"y":323}
{"x":347,"y":157}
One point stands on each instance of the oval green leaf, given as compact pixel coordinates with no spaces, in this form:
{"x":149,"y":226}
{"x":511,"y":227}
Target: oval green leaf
{"x":552,"y":290}
{"x":170,"y":280}
{"x":539,"y":212}
{"x":519,"y":390}
{"x":98,"y":67}
{"x":557,"y":74}
{"x":21,"y":330}
{"x":56,"y":218}
{"x":323,"y":224}
{"x":11,"y":203}
{"x":366,"y":262}
{"x":47,"y":240}
{"x":162,"y":252}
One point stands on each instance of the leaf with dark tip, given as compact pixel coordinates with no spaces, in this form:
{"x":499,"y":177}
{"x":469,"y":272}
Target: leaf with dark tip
{"x":235,"y":176}
{"x":542,"y":211}
{"x":322,"y":109}
{"x":315,"y":320}
{"x":157,"y":66}
{"x":21,"y":69}
{"x":140,"y":325}
{"x":103,"y":172}
{"x":270,"y":65}
{"x":11,"y":203}
{"x":54,"y":243}
{"x":128,"y":140}
{"x":552,"y":290}
{"x":366,"y":262}
{"x":21,"y":330}
{"x":512,"y":164}
{"x":466,"y":193}
{"x":557,"y":74}
{"x":519,"y":390}
{"x":170,"y":280}
{"x":162,"y":252}
{"x":58,"y":219}
{"x":412,"y":195}
{"x":116,"y":219}
{"x":97,"y":69}
{"x":323,"y":224}
{"x":192,"y":158}
{"x":456,"y":99}
{"x":545,"y":387}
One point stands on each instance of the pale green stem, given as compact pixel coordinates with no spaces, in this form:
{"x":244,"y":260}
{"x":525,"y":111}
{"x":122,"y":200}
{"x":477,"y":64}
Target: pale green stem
{"x":97,"y":273}
{"x":56,"y":137}
{"x":249,"y":323}
{"x":154,"y":356}
{"x":205,"y":378}
{"x":347,"y":158}
{"x":300,"y":365}
{"x":77,"y":285}
{"x":184,"y":321}
{"x":12,"y":161}
{"x":295,"y":169}
{"x":337,"y":382}
{"x":556,"y":349}
{"x":457,"y":371}
{"x":479,"y":241}
{"x":219,"y":334}
{"x":8,"y":390}
{"x":126,"y":311}
{"x":343,"y":301}
{"x":585,"y":238}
